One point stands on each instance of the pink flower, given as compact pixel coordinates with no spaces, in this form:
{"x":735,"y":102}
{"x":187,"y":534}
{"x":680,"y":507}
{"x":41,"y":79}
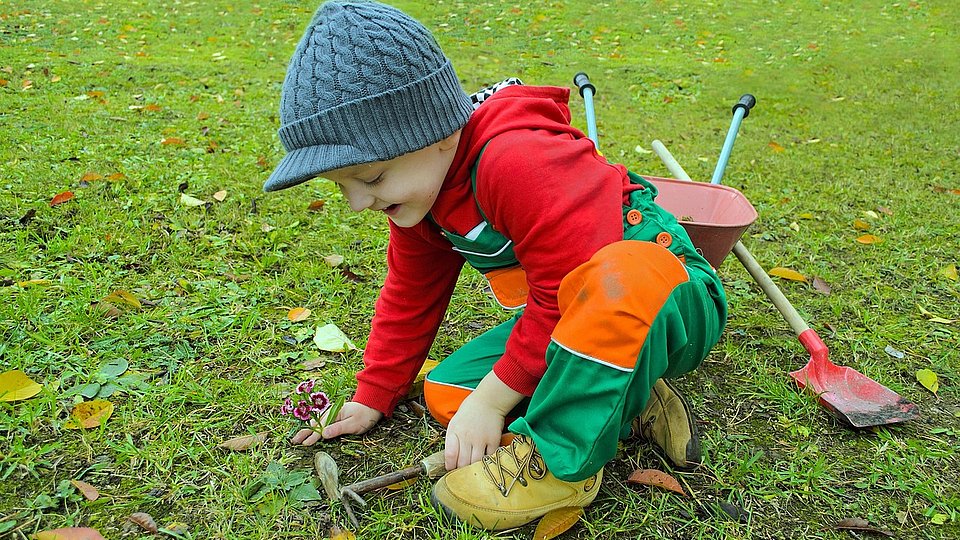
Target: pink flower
{"x":305,"y":387}
{"x":287,"y":407}
{"x":302,"y":411}
{"x":320,"y":402}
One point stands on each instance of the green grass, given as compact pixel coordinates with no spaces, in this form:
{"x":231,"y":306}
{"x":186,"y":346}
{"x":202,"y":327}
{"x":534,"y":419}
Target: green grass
{"x":860,"y":96}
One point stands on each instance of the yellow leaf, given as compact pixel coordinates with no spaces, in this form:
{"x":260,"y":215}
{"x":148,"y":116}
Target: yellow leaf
{"x":787,"y":273}
{"x":776,"y":147}
{"x":123,"y":297}
{"x":69,"y":533}
{"x":220,"y":195}
{"x":396,"y":486}
{"x":175,"y":141}
{"x":331,"y":339}
{"x":15,"y":385}
{"x":556,"y":522}
{"x":928,"y":379}
{"x":32,"y":282}
{"x":860,"y":225}
{"x":417,"y":388}
{"x":869,"y":239}
{"x":298,"y":314}
{"x":345,"y":534}
{"x":950,"y":272}
{"x":805,"y":215}
{"x":89,"y":414}
{"x":89,"y":492}
{"x":871,"y":214}
{"x":334,"y":260}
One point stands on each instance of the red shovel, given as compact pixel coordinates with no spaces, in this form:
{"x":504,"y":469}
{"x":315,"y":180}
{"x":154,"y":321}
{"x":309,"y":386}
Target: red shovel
{"x":850,"y":395}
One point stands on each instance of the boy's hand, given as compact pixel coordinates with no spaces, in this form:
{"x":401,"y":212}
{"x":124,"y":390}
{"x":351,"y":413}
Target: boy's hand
{"x":475,"y":429}
{"x":353,"y":418}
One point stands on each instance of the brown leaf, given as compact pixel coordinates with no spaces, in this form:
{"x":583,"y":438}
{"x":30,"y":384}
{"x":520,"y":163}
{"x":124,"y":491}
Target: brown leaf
{"x":821,"y":285}
{"x":236,"y":278}
{"x":860,"y":225}
{"x":556,"y":522}
{"x":861,"y":525}
{"x":328,"y":473}
{"x":884,"y":210}
{"x":347,"y":273}
{"x":90,"y":177}
{"x":144,"y":520}
{"x":152,"y":107}
{"x":172,"y":141}
{"x":107,"y":309}
{"x":787,"y":273}
{"x":316,"y":206}
{"x":869,"y":239}
{"x":316,"y":363}
{"x":28,"y":216}
{"x":653,"y":477}
{"x":69,"y":533}
{"x":89,"y":414}
{"x":61,"y":198}
{"x":86,"y":489}
{"x":298,"y":314}
{"x":243,"y":442}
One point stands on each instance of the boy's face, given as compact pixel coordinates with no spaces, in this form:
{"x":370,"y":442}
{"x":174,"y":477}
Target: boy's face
{"x":404,"y":188}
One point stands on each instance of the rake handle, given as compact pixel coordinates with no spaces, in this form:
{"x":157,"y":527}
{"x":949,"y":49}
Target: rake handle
{"x":432,"y":466}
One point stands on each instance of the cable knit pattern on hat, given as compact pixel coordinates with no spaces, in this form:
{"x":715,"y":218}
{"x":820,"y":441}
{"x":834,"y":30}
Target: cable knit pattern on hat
{"x":365,"y":83}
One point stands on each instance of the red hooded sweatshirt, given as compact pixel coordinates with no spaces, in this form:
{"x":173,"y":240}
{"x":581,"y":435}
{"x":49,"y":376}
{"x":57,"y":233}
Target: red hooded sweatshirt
{"x":541,"y":184}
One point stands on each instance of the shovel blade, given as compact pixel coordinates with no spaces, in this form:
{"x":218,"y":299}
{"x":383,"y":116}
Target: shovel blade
{"x":853,"y":397}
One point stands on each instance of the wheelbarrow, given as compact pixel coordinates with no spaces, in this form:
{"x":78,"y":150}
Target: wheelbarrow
{"x":715,"y":217}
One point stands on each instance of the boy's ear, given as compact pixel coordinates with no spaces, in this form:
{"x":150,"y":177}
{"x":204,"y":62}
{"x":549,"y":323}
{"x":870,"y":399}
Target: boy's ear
{"x":450,"y":142}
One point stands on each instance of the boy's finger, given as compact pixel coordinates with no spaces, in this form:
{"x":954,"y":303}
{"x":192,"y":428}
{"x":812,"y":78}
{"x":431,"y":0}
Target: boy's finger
{"x":451,"y":451}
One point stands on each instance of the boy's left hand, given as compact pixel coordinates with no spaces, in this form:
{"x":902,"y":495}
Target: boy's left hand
{"x":473,"y":432}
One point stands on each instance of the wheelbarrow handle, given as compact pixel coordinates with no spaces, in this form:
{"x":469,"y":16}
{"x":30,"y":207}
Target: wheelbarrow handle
{"x":740,"y":111}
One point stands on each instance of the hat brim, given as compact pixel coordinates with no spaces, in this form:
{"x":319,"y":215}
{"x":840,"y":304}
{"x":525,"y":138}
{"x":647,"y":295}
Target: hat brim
{"x":302,"y":164}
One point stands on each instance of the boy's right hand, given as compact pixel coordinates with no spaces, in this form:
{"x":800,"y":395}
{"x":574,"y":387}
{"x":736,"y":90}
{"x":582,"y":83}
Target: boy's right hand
{"x":353,"y":418}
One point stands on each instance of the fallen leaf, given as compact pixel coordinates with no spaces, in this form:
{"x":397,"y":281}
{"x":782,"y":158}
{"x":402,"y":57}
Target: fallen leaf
{"x":787,"y":273}
{"x":862,"y":525}
{"x":871,"y":214}
{"x":950,"y":272}
{"x":884,"y":210}
{"x":121,"y":296}
{"x":220,"y":195}
{"x":869,"y":239}
{"x":90,"y":177}
{"x":928,"y":379}
{"x":28,"y":216}
{"x":776,"y":147}
{"x":336,"y":533}
{"x":88,"y":491}
{"x":238,"y":444}
{"x":177,"y":528}
{"x":653,"y":477}
{"x":107,"y":309}
{"x":397,"y":486}
{"x":417,"y":388}
{"x":893,"y":352}
{"x":298,"y":314}
{"x":32,"y":282}
{"x":328,"y":473}
{"x":556,"y":522}
{"x":315,"y":363}
{"x":316,"y":206}
{"x":187,"y":200}
{"x":61,"y":198}
{"x":821,"y":285}
{"x":860,"y":225}
{"x":172,"y":141}
{"x":266,"y":227}
{"x":939,"y":519}
{"x":144,"y":520}
{"x":332,"y":339}
{"x":334,"y":260}
{"x":805,"y":215}
{"x":69,"y":533}
{"x":236,"y":278}
{"x":89,"y":414}
{"x":15,"y":385}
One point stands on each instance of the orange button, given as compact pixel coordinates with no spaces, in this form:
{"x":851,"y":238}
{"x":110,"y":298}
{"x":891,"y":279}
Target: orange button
{"x":634,"y":216}
{"x":665,"y":239}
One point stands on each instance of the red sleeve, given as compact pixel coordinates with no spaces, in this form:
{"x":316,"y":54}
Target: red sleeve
{"x":422,"y":271}
{"x":560,"y":202}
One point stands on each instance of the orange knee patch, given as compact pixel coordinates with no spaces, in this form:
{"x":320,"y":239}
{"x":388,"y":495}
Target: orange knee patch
{"x":608,"y":303}
{"x":443,"y":400}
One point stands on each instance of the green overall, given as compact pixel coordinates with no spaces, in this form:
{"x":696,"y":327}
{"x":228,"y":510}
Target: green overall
{"x":584,"y":404}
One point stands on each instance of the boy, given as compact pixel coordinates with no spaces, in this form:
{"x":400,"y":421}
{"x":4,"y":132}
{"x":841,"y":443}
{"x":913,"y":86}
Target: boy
{"x":614,"y":295}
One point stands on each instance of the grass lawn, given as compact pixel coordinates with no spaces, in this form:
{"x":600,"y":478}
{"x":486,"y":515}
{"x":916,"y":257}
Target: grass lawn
{"x":138,"y":106}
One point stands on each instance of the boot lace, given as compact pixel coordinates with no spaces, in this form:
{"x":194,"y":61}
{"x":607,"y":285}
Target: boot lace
{"x":504,"y":475}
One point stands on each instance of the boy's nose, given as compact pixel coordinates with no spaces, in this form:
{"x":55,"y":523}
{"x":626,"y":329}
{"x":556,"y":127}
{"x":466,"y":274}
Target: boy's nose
{"x":358,"y":200}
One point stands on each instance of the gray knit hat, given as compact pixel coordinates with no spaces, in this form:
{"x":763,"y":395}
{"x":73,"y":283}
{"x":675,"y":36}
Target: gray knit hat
{"x":366,"y":83}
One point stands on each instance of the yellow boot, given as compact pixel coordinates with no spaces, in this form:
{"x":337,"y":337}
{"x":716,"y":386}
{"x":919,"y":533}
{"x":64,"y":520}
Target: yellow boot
{"x":510,"y":488}
{"x":668,"y":422}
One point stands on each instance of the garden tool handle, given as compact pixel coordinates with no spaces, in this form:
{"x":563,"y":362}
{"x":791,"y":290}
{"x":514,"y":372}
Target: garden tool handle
{"x":740,"y":111}
{"x":587,"y":91}
{"x":432,"y":466}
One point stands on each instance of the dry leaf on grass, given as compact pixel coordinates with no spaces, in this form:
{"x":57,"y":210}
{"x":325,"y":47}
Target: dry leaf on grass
{"x":928,"y":379}
{"x":329,"y":474}
{"x":653,"y":477}
{"x":143,"y":520}
{"x":336,"y":533}
{"x":89,"y":414}
{"x":787,"y":273}
{"x":557,"y":522}
{"x":15,"y":385}
{"x":69,"y":533}
{"x":88,"y":491}
{"x":298,"y":314}
{"x":860,"y":525}
{"x":243,"y":442}
{"x":61,"y":198}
